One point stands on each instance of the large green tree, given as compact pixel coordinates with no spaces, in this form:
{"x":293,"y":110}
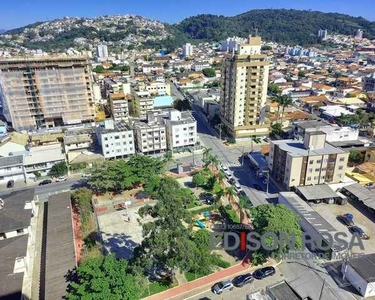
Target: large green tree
{"x":59,"y":169}
{"x":278,"y":220}
{"x":105,"y":278}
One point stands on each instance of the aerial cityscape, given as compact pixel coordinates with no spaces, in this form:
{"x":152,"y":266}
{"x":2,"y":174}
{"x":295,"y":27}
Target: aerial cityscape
{"x":214,"y":157}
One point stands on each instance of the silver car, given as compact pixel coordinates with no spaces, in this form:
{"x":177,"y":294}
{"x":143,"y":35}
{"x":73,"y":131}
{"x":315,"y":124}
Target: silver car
{"x":222,"y":286}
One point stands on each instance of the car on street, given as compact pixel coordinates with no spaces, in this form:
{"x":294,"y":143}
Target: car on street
{"x":222,"y":286}
{"x":61,"y":178}
{"x":224,"y":169}
{"x":346,"y":220}
{"x":359,"y":231}
{"x":257,"y":187}
{"x":264,"y":272}
{"x":241,"y":280}
{"x":237,"y":187}
{"x":44,"y":182}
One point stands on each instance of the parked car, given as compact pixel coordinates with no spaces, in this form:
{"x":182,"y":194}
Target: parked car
{"x":231,"y":180}
{"x":46,"y":181}
{"x":61,"y":178}
{"x":241,"y":280}
{"x":264,"y":272}
{"x":359,"y":231}
{"x":10,"y":184}
{"x":346,"y":220}
{"x":237,"y":187}
{"x":224,"y":169}
{"x":222,"y":286}
{"x":257,"y":187}
{"x":85,"y":175}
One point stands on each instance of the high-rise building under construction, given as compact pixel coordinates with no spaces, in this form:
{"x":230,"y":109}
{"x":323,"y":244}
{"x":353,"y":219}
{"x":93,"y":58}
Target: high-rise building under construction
{"x":44,"y":92}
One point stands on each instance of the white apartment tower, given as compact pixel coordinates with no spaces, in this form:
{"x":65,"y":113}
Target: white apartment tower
{"x":244,"y":90}
{"x":102,"y":52}
{"x":188,"y":50}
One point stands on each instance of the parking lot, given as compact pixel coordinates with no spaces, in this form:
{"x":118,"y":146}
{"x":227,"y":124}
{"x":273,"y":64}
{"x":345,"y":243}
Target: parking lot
{"x":362,"y":218}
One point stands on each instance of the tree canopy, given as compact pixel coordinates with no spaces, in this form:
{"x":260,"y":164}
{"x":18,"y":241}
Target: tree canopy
{"x":209,"y":72}
{"x":59,"y":169}
{"x":105,"y":278}
{"x":277,"y":219}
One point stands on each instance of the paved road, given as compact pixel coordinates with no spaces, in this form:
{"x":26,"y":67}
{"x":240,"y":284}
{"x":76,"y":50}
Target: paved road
{"x":55,"y":187}
{"x":238,"y":293}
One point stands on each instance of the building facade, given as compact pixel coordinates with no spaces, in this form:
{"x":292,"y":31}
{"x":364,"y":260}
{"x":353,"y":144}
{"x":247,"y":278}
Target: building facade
{"x":181,"y":127}
{"x":150,"y":137}
{"x":244,"y":90}
{"x":119,"y":106}
{"x":116,"y":139}
{"x":46,"y":92}
{"x":369,"y":83}
{"x":11,"y":168}
{"x":311,"y":162}
{"x":187,"y":50}
{"x":102,"y":52}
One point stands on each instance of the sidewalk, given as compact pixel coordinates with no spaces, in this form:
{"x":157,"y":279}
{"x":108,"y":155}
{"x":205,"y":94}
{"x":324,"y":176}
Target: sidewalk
{"x":204,"y":283}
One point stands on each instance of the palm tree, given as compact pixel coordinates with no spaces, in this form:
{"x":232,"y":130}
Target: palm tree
{"x":278,"y":100}
{"x":230,"y":192}
{"x":206,"y":155}
{"x":286,"y":101}
{"x":214,"y":161}
{"x":219,"y":195}
{"x":220,"y":177}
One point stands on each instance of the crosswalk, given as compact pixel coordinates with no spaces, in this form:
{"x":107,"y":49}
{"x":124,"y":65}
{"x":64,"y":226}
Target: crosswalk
{"x":231,"y":165}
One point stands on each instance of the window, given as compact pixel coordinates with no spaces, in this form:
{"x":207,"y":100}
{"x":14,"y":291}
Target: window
{"x":308,"y":178}
{"x":315,"y":177}
{"x":20,"y":231}
{"x":342,"y":159}
{"x":317,"y":170}
{"x":106,"y":139}
{"x":341,"y":167}
{"x":311,"y":162}
{"x":310,"y":170}
{"x":319,"y":161}
{"x":117,"y":137}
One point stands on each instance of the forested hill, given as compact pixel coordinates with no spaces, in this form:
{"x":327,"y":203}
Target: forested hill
{"x":279,"y":25}
{"x":129,"y":31}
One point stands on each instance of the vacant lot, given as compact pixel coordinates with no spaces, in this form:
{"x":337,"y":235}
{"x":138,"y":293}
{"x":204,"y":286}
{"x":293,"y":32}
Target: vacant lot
{"x":362,"y":218}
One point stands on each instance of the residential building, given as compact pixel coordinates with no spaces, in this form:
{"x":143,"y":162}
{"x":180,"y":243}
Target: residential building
{"x":187,"y":50}
{"x":231,"y":44}
{"x":13,"y":143}
{"x":78,"y":140}
{"x":150,"y":137}
{"x":116,"y":139}
{"x":199,"y":66}
{"x":158,"y":88}
{"x":102,"y":52}
{"x":3,"y":128}
{"x":141,"y":104}
{"x":181,"y":127}
{"x":152,"y":68}
{"x":313,"y":161}
{"x":359,"y":34}
{"x":11,"y":168}
{"x":16,"y":212}
{"x":119,"y":106}
{"x":244,"y":90}
{"x":41,"y":159}
{"x":46,"y":91}
{"x":334,"y":133}
{"x":369,"y":83}
{"x":360,"y":272}
{"x":322,"y":34}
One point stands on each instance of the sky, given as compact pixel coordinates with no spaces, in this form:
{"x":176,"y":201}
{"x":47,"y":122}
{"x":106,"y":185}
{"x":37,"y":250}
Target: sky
{"x":23,"y":12}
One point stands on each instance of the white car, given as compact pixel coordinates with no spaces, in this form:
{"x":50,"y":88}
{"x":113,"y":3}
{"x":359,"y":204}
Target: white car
{"x":237,"y":187}
{"x":61,"y":178}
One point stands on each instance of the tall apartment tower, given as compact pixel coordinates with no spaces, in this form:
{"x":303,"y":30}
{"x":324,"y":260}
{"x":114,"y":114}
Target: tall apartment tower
{"x":46,"y":92}
{"x":188,"y":50}
{"x":359,"y":34}
{"x":102,"y":52}
{"x":244,"y":90}
{"x":322,"y":34}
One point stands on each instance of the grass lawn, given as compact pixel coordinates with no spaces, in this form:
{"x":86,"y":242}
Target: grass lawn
{"x":157,"y":287}
{"x":234,"y":218}
{"x":190,"y":276}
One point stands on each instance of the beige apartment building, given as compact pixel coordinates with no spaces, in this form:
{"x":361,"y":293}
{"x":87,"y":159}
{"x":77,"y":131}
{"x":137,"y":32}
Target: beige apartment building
{"x":311,"y":162}
{"x":244,"y":90}
{"x":119,"y":106}
{"x":49,"y":91}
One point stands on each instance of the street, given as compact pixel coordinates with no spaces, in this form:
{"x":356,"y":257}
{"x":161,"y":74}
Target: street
{"x":231,"y":157}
